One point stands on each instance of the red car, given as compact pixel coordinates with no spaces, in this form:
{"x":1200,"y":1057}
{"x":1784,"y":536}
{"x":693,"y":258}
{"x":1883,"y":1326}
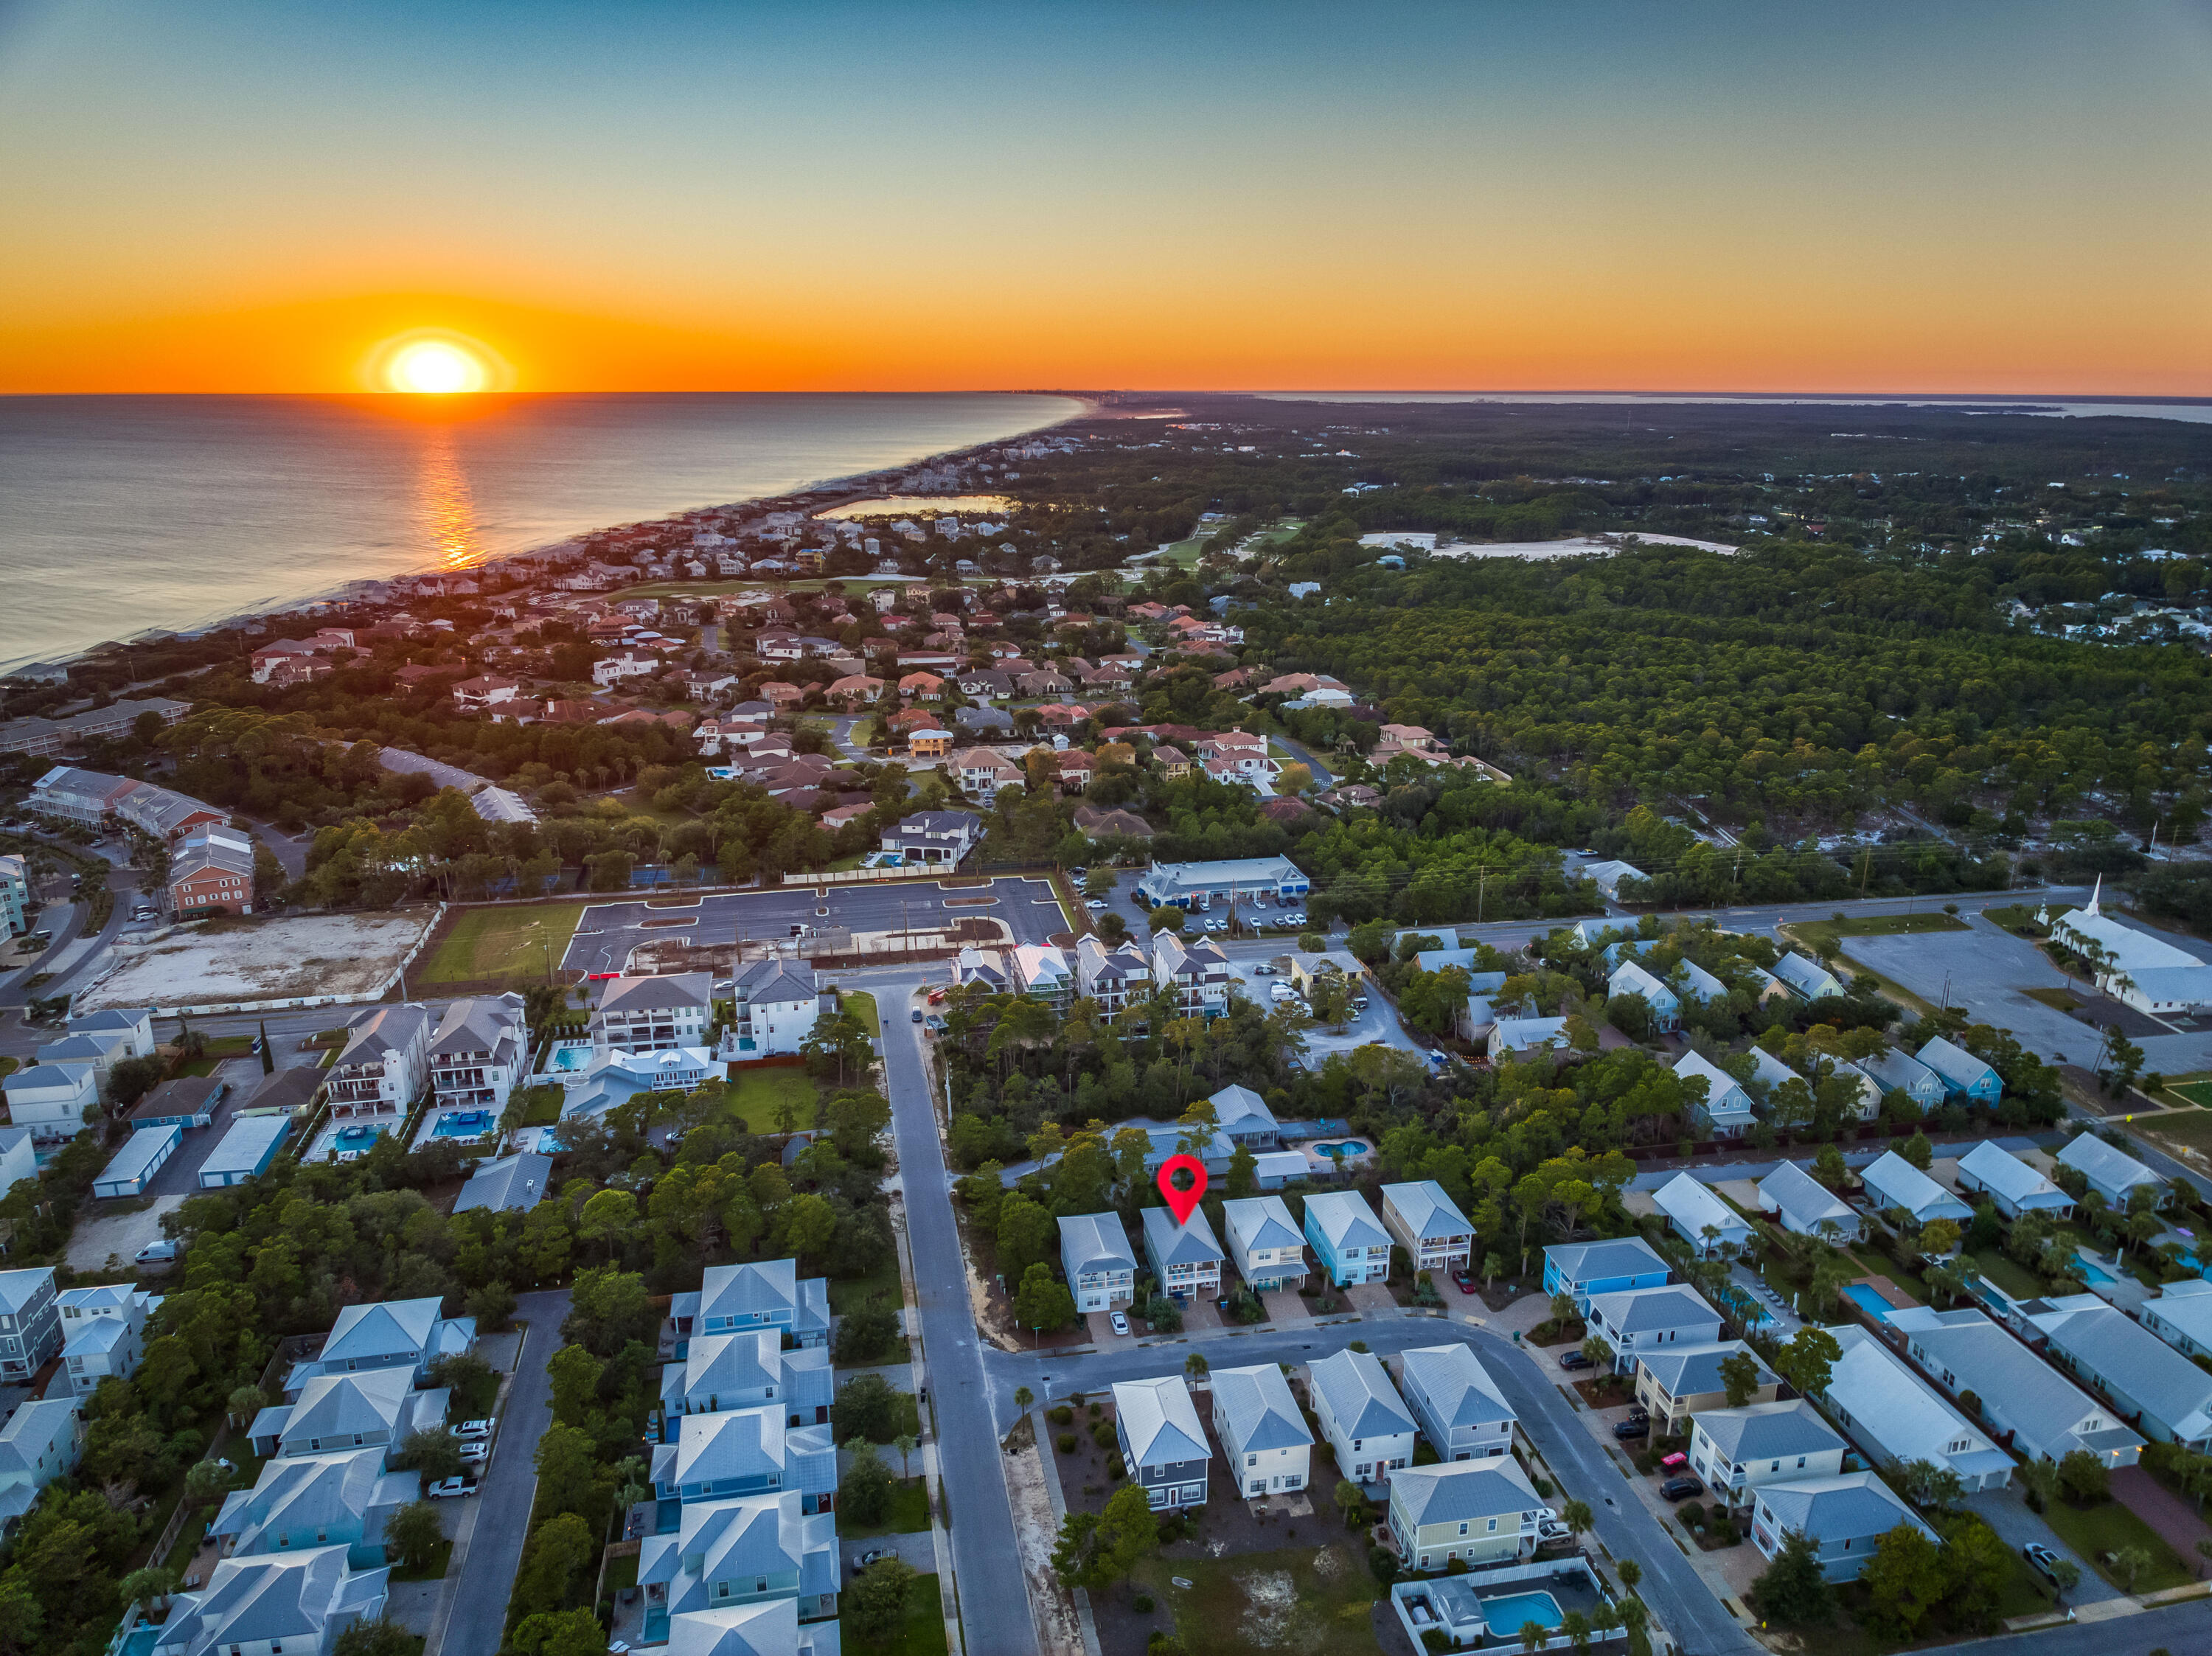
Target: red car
{"x":1670,"y":1462}
{"x":1463,"y":1281}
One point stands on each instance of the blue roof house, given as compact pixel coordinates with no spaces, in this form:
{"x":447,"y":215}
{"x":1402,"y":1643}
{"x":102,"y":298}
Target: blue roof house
{"x":1964,"y":1075}
{"x":1349,"y":1238}
{"x":1582,"y":1269}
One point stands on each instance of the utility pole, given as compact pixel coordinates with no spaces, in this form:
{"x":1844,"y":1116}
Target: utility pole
{"x":1866,"y":872}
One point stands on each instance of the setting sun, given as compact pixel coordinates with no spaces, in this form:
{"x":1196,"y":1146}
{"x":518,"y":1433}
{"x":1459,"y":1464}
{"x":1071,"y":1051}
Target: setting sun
{"x":434,"y":365}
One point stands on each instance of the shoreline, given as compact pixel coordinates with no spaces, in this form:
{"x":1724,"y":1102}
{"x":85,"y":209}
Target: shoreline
{"x":849,"y":486}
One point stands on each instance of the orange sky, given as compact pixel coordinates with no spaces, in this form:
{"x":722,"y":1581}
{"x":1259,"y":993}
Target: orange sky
{"x":244,"y":198}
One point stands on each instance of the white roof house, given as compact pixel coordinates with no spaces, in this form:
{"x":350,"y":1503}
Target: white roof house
{"x":2114,"y":1175}
{"x":1726,"y":1111}
{"x":1896,"y":1416}
{"x":1808,"y":980}
{"x":2015,"y":1188}
{"x":1630,"y":979}
{"x":1802,"y":1204}
{"x":2171,"y":1396}
{"x":1893,"y":1182}
{"x":1610,"y":873}
{"x":1162,"y":1439}
{"x":1694,"y":1211}
{"x":1427,"y":1223}
{"x":2180,"y":1313}
{"x":2048,"y":1415}
{"x":1094,"y":1252}
{"x":1511,"y":1035}
{"x":2148,"y":973}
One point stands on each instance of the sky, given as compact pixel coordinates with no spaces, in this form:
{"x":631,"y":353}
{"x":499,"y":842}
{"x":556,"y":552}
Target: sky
{"x":1969,"y":197}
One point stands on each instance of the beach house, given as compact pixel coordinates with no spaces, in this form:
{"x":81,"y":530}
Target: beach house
{"x":1737,"y":1450}
{"x":1094,"y":1254}
{"x":1163,"y":1445}
{"x":1347,"y":1238}
{"x":1185,"y":1258}
{"x":1579,"y":1270}
{"x":2018,"y":1394}
{"x":1844,"y":1516}
{"x":1643,"y":1320}
{"x":1963,"y":1075}
{"x":1368,"y":1426}
{"x":1480,"y":1513}
{"x":2013,"y":1186}
{"x":1428,"y":1224}
{"x":1897,"y":1418}
{"x":1266,"y":1243}
{"x":1725,"y":1111}
{"x":1700,"y":1218}
{"x":2113,"y":1173}
{"x":1894,"y":1184}
{"x":1263,"y":1433}
{"x":1461,"y":1411}
{"x":1802,"y":1204}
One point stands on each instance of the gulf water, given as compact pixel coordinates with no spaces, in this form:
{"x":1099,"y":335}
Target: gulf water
{"x":122,"y":514}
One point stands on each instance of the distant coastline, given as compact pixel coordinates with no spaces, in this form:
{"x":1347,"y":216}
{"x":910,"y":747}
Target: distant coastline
{"x":134,"y":503}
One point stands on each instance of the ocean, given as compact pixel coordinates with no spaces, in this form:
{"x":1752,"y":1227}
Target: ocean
{"x":122,"y":514}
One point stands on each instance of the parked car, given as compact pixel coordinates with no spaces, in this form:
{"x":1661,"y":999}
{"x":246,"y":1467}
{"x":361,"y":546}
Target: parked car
{"x":1682,"y":1488}
{"x":158,"y":1254}
{"x":1677,"y":1459}
{"x":1463,"y":1281}
{"x":1627,"y":1429}
{"x":1097,"y":904}
{"x":861,"y":1561}
{"x":1120,"y":1323}
{"x":917,"y":1015}
{"x":474,"y":1451}
{"x":446,"y":1487}
{"x":2042,"y":1560}
{"x":1574,"y":1360}
{"x":1263,"y":971}
{"x":469,"y":1429}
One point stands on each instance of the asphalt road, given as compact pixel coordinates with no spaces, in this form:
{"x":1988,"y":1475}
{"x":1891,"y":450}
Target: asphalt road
{"x":995,"y":1606}
{"x":1676,"y":1592}
{"x":474,"y":1615}
{"x":608,"y":931}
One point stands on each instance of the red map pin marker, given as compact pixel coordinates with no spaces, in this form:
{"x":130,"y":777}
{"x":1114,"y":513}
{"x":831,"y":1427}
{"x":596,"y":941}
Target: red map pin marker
{"x":1181,"y":1198}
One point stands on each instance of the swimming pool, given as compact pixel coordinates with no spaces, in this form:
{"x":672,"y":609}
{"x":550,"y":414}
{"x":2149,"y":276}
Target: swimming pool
{"x":1508,"y":1615}
{"x":1874,"y":1305}
{"x":1341,"y":1147}
{"x":571,"y":1057}
{"x":462,"y":1124}
{"x":356,"y":1135}
{"x":2092,"y":1272}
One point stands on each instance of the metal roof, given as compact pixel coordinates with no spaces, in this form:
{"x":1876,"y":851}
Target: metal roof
{"x":1255,"y":1410}
{"x":1360,"y":1395}
{"x":1159,"y":1422}
{"x":1765,"y":1431}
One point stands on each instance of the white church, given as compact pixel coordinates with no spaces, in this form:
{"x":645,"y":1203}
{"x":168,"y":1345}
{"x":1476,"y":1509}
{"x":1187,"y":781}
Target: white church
{"x":2137,"y":970}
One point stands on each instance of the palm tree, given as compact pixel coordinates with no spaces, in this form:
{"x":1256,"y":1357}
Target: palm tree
{"x":906,"y":1443}
{"x":1195,"y":1365}
{"x":1579,"y":1518}
{"x":1532,"y":1637}
{"x":1022,"y":1398}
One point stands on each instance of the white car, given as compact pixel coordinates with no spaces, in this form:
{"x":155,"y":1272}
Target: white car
{"x":1263,"y":971}
{"x":474,"y":1451}
{"x":1097,"y":904}
{"x":449,"y":1488}
{"x":158,"y":1254}
{"x":1120,"y":1323}
{"x":469,"y":1429}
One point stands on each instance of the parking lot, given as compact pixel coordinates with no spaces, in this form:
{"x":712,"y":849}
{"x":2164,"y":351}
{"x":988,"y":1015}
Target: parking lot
{"x":1123,"y":900}
{"x":607,"y":932}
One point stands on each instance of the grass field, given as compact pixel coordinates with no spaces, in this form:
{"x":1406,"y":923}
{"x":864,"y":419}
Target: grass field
{"x":757,"y":1096}
{"x":2198,"y":1093}
{"x":2109,"y":1526}
{"x":909,"y":1510}
{"x":2058,"y":999}
{"x":2191,"y":1127}
{"x":880,"y":1286}
{"x":1300,"y":1598}
{"x":924,"y":1633}
{"x":490,"y":943}
{"x":2009,"y":1274}
{"x":863,"y":1007}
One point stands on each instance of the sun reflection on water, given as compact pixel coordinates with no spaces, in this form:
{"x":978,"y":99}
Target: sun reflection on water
{"x":444,"y":505}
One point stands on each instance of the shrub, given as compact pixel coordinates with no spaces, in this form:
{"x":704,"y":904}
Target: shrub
{"x":1436,"y":1639}
{"x":1383,"y":1564}
{"x":1690,"y":1513}
{"x":1142,"y":1604}
{"x":1114,"y":1471}
{"x":1163,"y":1644}
{"x":1094,"y":1411}
{"x":1065,"y":1443}
{"x":1543,"y":1487}
{"x":1063,"y":1416}
{"x":1102,"y":1434}
{"x":1457,"y":1566}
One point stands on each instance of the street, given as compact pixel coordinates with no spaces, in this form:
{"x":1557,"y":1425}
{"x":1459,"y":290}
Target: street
{"x":472,"y":1616}
{"x":994,"y":1607}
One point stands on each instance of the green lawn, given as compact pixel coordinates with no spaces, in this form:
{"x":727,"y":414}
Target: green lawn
{"x":2109,"y":1526}
{"x":490,"y":944}
{"x":1239,"y":1603}
{"x":879,"y":1286}
{"x":924,"y":1633}
{"x":909,"y":1510}
{"x":2058,"y":1000}
{"x":862,"y":1006}
{"x":757,"y":1098}
{"x":433,"y":1571}
{"x":2190,"y":1127}
{"x":2016,"y":1279}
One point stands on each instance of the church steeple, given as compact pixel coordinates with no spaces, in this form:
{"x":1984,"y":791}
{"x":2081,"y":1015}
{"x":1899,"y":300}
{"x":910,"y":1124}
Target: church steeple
{"x":2092,"y":909}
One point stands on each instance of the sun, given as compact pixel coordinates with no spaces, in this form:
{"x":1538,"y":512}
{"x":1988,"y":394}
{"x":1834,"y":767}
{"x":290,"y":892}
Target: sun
{"x":435,"y":367}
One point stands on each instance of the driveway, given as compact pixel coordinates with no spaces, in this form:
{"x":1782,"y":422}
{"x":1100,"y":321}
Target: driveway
{"x":2006,"y":1512}
{"x":489,"y":1551}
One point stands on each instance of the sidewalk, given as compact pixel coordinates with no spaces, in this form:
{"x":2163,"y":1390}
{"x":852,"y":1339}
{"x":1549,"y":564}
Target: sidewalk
{"x":917,"y":1376}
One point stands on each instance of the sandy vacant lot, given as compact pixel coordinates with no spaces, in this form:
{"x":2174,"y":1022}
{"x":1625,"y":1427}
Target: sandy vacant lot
{"x":346,"y":956}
